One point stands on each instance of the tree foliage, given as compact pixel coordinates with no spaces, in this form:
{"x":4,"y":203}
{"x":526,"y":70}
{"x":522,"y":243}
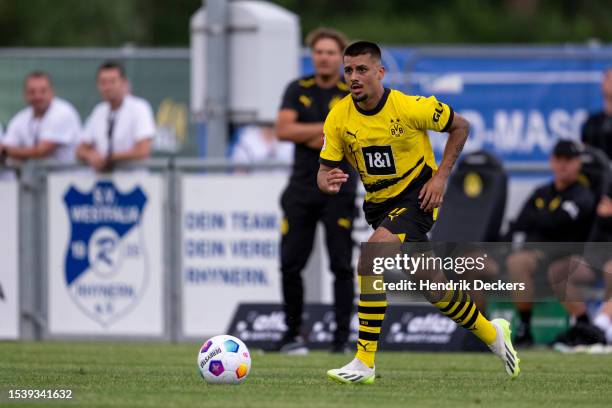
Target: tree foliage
{"x":166,"y":22}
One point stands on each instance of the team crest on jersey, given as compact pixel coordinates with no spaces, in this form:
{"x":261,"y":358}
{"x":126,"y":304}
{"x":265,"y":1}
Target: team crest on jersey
{"x":395,"y":128}
{"x":106,"y":264}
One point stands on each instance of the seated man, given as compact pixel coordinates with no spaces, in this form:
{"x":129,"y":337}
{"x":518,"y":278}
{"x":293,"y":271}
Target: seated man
{"x":47,"y":128}
{"x":599,"y":266}
{"x":603,"y":232}
{"x":561,"y":211}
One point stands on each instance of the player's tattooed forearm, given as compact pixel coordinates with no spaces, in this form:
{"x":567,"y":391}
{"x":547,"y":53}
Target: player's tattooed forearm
{"x":458,"y":149}
{"x":457,"y":152}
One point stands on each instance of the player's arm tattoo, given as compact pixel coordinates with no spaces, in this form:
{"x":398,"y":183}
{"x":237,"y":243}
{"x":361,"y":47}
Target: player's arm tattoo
{"x":458,"y":150}
{"x":458,"y":134}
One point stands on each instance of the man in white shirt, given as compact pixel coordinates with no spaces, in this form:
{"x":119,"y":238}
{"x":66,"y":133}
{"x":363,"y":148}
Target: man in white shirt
{"x":47,"y":128}
{"x":121,"y":128}
{"x":259,"y":144}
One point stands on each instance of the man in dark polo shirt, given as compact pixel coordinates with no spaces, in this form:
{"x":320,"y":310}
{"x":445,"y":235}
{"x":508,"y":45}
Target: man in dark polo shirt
{"x":561,"y":211}
{"x":304,"y":107}
{"x":597,"y":130}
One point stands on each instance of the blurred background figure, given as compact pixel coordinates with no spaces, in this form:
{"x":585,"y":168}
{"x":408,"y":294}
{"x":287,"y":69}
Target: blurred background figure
{"x":304,"y":107}
{"x":603,"y":233}
{"x":561,"y":211}
{"x":597,"y":130}
{"x":47,"y":128}
{"x":259,"y":144}
{"x":596,"y":267}
{"x":121,"y":128}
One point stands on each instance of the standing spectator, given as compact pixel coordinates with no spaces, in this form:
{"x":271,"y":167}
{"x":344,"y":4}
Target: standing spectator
{"x":121,"y":128}
{"x":304,"y":107}
{"x":47,"y":128}
{"x":597,"y":130}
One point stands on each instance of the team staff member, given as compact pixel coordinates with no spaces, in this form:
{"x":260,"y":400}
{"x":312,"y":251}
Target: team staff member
{"x":47,"y":128}
{"x":304,"y":107}
{"x":597,"y":130}
{"x":599,"y":260}
{"x":121,"y":128}
{"x":561,"y":211}
{"x":383,"y":134}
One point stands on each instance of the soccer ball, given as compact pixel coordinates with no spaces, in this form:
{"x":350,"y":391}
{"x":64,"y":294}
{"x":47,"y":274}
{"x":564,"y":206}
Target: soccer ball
{"x":224,"y":360}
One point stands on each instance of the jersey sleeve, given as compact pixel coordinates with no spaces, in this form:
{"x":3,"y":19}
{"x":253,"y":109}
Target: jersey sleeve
{"x":13,"y":134}
{"x":88,"y":130}
{"x":332,"y":152}
{"x":145,"y":122}
{"x":63,"y":128}
{"x":291,"y":97}
{"x":429,"y":113}
{"x":526,"y":218}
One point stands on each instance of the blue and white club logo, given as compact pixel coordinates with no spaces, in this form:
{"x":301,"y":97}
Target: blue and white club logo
{"x":106,"y":263}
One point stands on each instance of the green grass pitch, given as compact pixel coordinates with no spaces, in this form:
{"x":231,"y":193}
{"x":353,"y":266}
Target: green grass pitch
{"x":104,"y":374}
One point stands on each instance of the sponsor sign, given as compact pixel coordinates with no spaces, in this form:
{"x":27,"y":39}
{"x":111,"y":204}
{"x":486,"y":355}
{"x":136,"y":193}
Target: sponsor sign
{"x":230,"y":247}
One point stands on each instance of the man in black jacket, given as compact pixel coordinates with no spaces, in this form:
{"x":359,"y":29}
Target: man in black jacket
{"x":597,"y":130}
{"x":304,"y":107}
{"x":561,"y":211}
{"x":598,"y":262}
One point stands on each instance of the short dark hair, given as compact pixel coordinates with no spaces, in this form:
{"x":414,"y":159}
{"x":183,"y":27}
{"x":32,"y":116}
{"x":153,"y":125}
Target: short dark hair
{"x":361,"y":48}
{"x":38,"y":74}
{"x":324,"y":32}
{"x":111,"y":65}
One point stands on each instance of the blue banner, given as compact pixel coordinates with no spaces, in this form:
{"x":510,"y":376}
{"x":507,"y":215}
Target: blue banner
{"x":520,"y":101}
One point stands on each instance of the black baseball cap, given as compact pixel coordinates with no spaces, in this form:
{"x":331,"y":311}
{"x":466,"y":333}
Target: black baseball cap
{"x":567,"y":148}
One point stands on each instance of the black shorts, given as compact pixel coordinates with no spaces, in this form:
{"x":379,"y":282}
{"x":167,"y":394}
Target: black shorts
{"x":402,"y":215}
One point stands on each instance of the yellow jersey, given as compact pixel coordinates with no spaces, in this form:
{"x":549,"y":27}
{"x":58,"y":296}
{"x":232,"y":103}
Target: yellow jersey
{"x":389,"y":145}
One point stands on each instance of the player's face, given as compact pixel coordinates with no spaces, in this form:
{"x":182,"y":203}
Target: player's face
{"x":606,"y":85}
{"x":565,"y":169}
{"x":38,"y":93}
{"x":326,"y":57}
{"x":111,"y":85}
{"x":363,"y":74}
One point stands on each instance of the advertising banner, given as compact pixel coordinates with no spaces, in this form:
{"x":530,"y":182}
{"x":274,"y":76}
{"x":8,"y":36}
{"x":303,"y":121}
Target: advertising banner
{"x":9,"y":253}
{"x":230,"y":253}
{"x":417,"y":327}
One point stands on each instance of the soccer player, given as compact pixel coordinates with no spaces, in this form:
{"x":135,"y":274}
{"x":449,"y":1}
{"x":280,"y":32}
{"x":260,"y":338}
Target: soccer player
{"x":304,"y":107}
{"x":383,"y":134}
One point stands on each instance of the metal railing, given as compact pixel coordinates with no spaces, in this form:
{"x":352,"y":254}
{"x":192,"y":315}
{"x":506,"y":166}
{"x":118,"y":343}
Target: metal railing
{"x":33,"y":222}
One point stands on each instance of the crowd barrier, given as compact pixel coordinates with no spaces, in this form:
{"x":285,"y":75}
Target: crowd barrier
{"x":165,"y":249}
